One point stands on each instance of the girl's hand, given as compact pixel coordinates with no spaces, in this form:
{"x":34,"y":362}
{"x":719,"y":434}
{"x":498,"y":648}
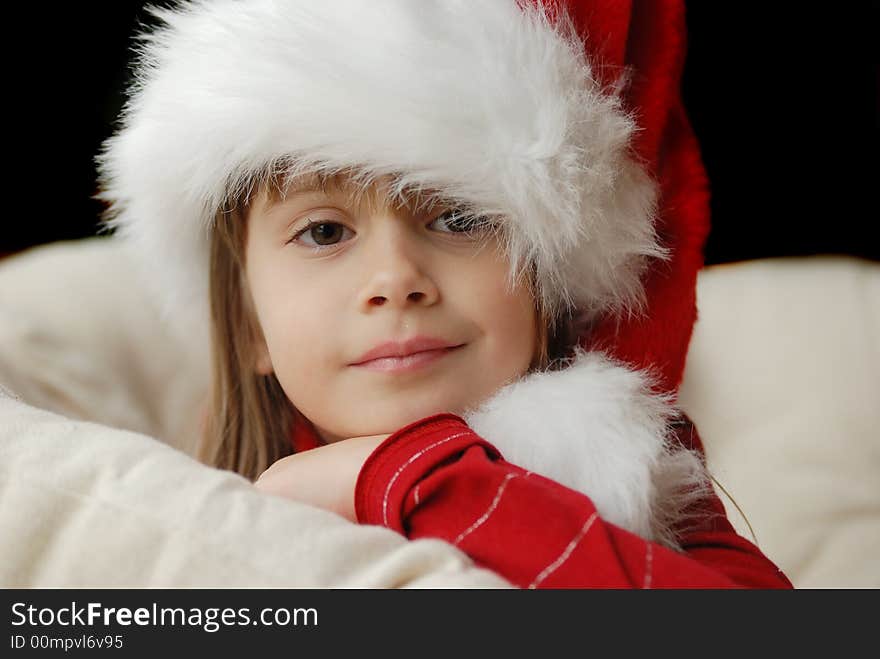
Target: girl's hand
{"x":324,"y":477}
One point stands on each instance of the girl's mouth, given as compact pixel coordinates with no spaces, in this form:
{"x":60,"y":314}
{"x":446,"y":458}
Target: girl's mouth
{"x":409,"y":363}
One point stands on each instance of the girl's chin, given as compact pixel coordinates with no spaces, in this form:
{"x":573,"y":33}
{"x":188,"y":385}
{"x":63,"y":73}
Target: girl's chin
{"x":392,"y":422}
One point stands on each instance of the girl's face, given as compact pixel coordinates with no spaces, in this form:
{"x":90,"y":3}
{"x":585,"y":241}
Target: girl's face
{"x":331,"y":279}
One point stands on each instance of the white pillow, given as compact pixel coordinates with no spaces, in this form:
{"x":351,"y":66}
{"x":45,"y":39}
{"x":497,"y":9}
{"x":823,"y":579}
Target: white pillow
{"x":783,"y":383}
{"x":79,"y":336}
{"x":83,"y":505}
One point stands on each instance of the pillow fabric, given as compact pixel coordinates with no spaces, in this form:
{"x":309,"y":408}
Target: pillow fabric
{"x":84,"y":505}
{"x":79,"y":336}
{"x":783,"y":383}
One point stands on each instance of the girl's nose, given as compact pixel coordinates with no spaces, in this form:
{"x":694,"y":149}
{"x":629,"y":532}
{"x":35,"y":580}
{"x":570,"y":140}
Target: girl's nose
{"x":396,"y":263}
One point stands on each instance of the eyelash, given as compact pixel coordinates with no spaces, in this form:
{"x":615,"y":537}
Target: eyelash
{"x":307,"y":227}
{"x":472,"y":227}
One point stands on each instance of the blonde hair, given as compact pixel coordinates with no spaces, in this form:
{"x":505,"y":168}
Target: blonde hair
{"x":250,"y":419}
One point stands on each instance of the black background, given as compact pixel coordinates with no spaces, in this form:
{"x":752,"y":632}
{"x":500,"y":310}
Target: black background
{"x":783,"y":98}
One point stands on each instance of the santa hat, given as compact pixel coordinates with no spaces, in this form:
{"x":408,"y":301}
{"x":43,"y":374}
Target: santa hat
{"x":564,"y":119}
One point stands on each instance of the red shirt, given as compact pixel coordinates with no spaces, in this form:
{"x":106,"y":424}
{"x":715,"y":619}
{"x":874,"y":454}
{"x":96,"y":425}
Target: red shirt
{"x":436,"y":478}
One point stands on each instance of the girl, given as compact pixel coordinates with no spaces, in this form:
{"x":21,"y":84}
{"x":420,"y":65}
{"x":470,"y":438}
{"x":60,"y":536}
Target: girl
{"x":431,"y":236}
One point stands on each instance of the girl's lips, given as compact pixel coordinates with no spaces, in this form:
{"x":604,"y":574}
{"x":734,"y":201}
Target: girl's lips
{"x":406,"y":364}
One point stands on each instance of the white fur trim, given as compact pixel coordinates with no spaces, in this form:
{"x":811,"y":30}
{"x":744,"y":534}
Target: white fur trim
{"x":492,"y":103}
{"x":596,"y":427}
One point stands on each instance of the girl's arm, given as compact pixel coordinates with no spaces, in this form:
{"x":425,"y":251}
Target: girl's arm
{"x":436,"y":478}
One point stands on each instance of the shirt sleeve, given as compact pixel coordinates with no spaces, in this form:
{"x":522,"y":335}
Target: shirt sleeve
{"x":436,"y":478}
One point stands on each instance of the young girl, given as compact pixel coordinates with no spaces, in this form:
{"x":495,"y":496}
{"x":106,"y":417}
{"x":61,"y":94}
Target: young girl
{"x":432,"y":235}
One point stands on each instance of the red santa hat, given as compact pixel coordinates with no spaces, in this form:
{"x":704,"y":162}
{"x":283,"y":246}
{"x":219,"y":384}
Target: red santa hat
{"x":563,"y":119}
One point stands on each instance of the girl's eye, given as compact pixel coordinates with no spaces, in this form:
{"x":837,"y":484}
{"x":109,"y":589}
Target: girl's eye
{"x":458,"y":221}
{"x":320,"y":235}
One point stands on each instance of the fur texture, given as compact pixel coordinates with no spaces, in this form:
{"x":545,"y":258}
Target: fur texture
{"x":597,"y":427}
{"x":492,"y":103}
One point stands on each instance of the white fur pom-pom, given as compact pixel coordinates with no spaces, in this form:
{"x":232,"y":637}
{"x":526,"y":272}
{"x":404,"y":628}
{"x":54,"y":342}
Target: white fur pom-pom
{"x":598,"y":428}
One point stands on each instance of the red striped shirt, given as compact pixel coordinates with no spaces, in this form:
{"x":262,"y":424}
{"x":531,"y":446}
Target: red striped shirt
{"x":436,"y":478}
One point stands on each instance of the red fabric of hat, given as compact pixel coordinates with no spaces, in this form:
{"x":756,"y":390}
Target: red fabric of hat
{"x":649,"y":38}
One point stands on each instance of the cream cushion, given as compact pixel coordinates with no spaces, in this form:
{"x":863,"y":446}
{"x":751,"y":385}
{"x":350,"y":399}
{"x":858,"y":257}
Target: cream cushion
{"x":782,"y":381}
{"x":85,"y":505}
